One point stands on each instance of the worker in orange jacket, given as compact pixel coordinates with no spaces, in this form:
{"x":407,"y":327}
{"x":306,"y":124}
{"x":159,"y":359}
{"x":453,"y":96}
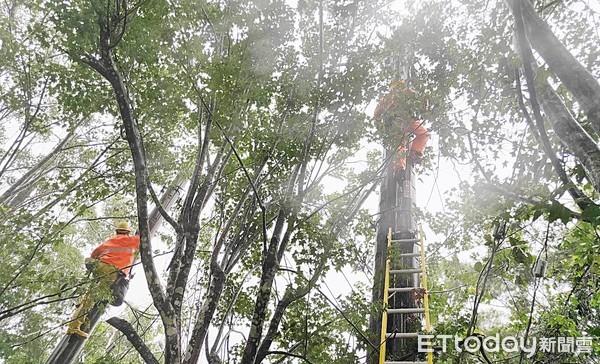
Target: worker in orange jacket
{"x":400,"y":112}
{"x":110,"y":262}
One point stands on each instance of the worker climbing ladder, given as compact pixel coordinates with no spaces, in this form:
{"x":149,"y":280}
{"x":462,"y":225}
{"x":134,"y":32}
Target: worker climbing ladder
{"x":399,"y":320}
{"x":399,"y":253}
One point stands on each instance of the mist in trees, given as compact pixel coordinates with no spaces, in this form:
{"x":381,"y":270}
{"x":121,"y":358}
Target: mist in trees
{"x":259,"y":113}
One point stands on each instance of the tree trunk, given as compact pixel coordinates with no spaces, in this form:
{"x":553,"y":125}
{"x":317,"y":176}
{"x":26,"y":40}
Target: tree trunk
{"x":205,"y":315}
{"x":14,"y":197}
{"x":582,"y":200}
{"x":562,"y":63}
{"x":574,"y":137}
{"x":263,"y":297}
{"x":107,"y":67}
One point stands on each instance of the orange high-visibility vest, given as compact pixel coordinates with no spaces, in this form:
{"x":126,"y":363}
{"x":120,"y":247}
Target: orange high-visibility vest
{"x":118,"y":251}
{"x":418,"y":144}
{"x":396,"y":98}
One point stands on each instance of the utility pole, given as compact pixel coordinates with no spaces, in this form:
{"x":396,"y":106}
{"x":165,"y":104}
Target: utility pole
{"x":387,"y":201}
{"x":396,"y":212}
{"x":399,"y":252}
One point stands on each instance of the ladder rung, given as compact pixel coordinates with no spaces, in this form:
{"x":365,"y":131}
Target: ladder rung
{"x":410,"y":254}
{"x":402,"y":289}
{"x":405,"y":271}
{"x":405,"y":310}
{"x":406,"y":240}
{"x":401,"y":335}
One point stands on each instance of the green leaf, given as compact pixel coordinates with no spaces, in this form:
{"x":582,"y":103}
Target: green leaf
{"x":591,"y":214}
{"x":519,"y":255}
{"x":558,"y":211}
{"x":536,"y":214}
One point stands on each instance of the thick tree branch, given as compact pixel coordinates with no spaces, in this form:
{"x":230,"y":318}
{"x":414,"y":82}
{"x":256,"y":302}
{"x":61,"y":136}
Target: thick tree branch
{"x":573,"y":75}
{"x":187,"y":241}
{"x":205,"y":314}
{"x":290,"y":296}
{"x":269,"y":269}
{"x":580,"y":199}
{"x":575,"y":138}
{"x":226,"y":315}
{"x":7,"y":196}
{"x":135,"y":339}
{"x":293,"y":294}
{"x":217,"y":283}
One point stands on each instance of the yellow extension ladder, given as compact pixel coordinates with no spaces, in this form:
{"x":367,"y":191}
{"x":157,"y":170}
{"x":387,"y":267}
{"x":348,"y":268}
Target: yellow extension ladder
{"x":389,"y":291}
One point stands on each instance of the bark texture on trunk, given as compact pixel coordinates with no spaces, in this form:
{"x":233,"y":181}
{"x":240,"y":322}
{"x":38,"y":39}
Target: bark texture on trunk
{"x":269,"y":269}
{"x":582,"y":200}
{"x":205,"y":315}
{"x":106,"y":66}
{"x":575,"y":138}
{"x":578,"y":80}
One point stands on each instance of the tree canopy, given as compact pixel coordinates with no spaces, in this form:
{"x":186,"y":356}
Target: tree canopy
{"x":258,"y":114}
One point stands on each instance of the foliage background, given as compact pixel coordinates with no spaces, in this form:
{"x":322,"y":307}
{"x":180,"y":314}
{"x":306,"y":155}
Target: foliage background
{"x":292,"y":86}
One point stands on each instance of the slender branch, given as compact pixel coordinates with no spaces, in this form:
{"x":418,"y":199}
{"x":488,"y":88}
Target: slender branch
{"x":201,"y":153}
{"x":162,"y":210}
{"x":347,"y":319}
{"x":38,"y":166}
{"x":43,"y":210}
{"x":521,"y":102}
{"x":316,"y":109}
{"x":579,"y":280}
{"x":239,"y":159}
{"x":286,"y":353}
{"x":533,"y":300}
{"x":14,"y":149}
{"x":24,"y":307}
{"x":482,"y":283}
{"x":75,"y":183}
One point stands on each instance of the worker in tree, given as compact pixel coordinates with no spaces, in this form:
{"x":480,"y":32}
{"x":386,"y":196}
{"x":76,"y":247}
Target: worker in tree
{"x":399,"y":113}
{"x":109,"y":264}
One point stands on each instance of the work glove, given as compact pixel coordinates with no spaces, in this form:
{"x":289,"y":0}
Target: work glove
{"x":90,"y":264}
{"x":415,"y":157}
